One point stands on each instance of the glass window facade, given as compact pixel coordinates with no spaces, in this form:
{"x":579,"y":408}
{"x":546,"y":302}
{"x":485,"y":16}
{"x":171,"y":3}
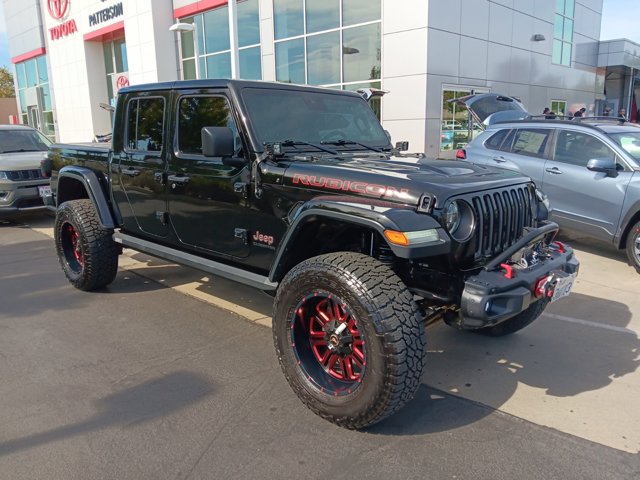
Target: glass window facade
{"x":33,"y":73}
{"x":559,"y":107}
{"x":214,"y":49}
{"x":563,"y":32}
{"x":454,"y":128}
{"x":115,"y":62}
{"x":331,"y":43}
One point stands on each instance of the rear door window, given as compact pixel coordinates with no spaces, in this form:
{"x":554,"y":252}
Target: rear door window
{"x":531,"y":141}
{"x":145,"y":124}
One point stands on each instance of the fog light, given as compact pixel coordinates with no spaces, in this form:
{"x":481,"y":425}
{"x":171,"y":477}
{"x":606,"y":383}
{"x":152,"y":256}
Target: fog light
{"x":3,"y":195}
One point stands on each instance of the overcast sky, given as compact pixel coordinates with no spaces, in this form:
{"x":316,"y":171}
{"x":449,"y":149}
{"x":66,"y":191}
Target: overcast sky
{"x":620,"y":19}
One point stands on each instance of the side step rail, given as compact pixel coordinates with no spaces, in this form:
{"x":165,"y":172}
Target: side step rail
{"x":232,"y":273}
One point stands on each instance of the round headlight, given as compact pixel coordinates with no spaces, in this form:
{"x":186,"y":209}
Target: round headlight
{"x":452,"y":217}
{"x":459,"y":220}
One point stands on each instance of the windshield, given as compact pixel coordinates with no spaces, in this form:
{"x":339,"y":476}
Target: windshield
{"x":629,"y":141}
{"x":12,"y":141}
{"x":279,"y":115}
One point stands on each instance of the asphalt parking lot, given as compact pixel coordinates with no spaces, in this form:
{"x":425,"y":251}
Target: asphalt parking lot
{"x":147,"y":380}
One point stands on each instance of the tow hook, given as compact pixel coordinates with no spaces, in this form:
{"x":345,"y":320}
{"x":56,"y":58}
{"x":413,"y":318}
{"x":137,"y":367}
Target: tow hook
{"x":545,"y":287}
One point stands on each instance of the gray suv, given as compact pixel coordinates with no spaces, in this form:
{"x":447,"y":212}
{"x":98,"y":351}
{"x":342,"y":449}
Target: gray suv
{"x":589,"y":168}
{"x":22,"y":185}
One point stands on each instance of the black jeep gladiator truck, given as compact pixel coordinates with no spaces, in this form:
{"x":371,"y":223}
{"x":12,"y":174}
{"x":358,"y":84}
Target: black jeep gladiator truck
{"x":297,"y":190}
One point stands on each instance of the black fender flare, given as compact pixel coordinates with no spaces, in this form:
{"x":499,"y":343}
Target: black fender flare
{"x":89,"y":179}
{"x":375,"y":216}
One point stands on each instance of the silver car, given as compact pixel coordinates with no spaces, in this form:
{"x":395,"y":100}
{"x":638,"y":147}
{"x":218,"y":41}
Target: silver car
{"x":22,"y":185}
{"x":589,"y":169}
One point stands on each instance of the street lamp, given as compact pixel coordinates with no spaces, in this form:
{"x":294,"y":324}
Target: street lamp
{"x":189,"y":27}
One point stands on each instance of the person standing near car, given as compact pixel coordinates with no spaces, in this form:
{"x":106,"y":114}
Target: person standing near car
{"x":580,"y":113}
{"x":622,"y":114}
{"x":548,"y":113}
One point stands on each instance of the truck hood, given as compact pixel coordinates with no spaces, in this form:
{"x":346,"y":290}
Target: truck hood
{"x":21,"y":160}
{"x":397,"y":179}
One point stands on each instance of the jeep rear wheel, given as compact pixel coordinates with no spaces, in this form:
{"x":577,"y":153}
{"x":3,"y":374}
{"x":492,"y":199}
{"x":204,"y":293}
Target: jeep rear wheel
{"x":349,"y":338}
{"x":87,"y":253}
{"x":633,"y":246}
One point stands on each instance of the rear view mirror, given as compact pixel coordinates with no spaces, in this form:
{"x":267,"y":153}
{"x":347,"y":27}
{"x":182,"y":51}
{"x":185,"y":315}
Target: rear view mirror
{"x":605,"y":165}
{"x":217,"y":142}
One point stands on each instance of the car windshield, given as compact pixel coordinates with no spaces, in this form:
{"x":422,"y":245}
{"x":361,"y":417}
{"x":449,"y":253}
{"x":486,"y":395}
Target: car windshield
{"x":12,"y":141}
{"x":320,"y":118}
{"x":629,"y":141}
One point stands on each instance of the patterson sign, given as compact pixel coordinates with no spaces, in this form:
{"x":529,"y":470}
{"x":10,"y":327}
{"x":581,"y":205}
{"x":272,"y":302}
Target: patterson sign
{"x":58,"y":10}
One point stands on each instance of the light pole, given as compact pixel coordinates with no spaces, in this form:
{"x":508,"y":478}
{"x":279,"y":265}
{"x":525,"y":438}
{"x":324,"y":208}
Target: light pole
{"x":189,"y":27}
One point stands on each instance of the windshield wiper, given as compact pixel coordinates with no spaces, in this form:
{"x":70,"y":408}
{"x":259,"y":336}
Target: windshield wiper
{"x":294,"y":143}
{"x":341,"y":143}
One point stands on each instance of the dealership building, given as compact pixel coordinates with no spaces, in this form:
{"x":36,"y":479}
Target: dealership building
{"x":72,"y":56}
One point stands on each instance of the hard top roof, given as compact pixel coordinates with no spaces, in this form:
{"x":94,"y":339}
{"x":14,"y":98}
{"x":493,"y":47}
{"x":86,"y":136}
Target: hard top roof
{"x":227,"y":83}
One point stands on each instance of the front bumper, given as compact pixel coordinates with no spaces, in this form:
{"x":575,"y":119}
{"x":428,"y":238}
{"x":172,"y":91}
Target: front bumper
{"x":494,"y":295}
{"x":20,"y":197}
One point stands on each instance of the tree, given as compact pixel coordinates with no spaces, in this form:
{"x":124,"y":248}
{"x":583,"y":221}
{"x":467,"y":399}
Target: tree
{"x":6,"y":83}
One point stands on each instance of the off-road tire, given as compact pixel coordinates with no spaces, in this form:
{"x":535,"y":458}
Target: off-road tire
{"x":633,"y":246}
{"x":515,"y":323}
{"x":90,"y":260}
{"x":390,"y":324}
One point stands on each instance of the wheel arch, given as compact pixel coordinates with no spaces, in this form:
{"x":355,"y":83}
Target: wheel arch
{"x":302,"y":240}
{"x":630,"y":219}
{"x":76,"y":183}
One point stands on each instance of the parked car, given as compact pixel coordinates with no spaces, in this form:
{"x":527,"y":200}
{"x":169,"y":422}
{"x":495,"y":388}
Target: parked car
{"x":22,"y":185}
{"x":588,"y":168}
{"x":297,"y":190}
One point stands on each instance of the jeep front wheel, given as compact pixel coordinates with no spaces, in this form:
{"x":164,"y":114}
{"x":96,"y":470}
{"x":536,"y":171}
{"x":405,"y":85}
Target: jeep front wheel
{"x":87,"y":253}
{"x":349,"y":338}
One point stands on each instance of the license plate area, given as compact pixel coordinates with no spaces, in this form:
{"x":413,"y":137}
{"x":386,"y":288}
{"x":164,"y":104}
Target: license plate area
{"x":563,"y":286}
{"x":44,"y":191}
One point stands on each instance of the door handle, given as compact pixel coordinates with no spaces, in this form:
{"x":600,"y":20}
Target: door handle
{"x":178,"y":179}
{"x":131,"y":172}
{"x":499,"y":159}
{"x":554,"y":170}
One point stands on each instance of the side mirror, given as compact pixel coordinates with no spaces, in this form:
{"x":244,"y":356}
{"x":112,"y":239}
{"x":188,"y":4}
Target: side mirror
{"x":605,"y":165}
{"x":217,"y":142}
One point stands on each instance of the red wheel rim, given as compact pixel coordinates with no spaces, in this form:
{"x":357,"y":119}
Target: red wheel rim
{"x":328,"y":343}
{"x":72,"y":246}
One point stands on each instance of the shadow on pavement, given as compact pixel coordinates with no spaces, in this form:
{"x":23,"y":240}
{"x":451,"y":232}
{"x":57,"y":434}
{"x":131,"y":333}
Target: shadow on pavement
{"x":138,"y":404}
{"x":562,"y":358}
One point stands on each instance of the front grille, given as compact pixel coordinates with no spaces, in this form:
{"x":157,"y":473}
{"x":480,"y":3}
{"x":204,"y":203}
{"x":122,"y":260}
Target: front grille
{"x":22,"y":175}
{"x":501,"y":218}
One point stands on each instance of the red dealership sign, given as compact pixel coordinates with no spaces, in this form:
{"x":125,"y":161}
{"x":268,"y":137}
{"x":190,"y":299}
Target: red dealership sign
{"x":58,"y":8}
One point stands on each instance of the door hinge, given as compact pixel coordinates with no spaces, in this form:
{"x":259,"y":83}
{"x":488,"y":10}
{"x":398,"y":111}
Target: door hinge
{"x":241,"y":234}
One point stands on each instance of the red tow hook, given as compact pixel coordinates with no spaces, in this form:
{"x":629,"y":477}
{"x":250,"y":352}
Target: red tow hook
{"x":508,"y":270}
{"x":559,"y":246}
{"x":544,"y":287}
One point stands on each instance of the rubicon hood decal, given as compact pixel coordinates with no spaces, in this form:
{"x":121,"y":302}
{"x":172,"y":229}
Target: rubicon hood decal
{"x":343,"y":185}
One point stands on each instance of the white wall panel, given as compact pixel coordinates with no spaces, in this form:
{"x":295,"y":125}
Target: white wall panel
{"x":399,"y":16}
{"x":407,"y":97}
{"x":473,"y":58}
{"x":474,"y":18}
{"x":500,"y":22}
{"x":405,"y":53}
